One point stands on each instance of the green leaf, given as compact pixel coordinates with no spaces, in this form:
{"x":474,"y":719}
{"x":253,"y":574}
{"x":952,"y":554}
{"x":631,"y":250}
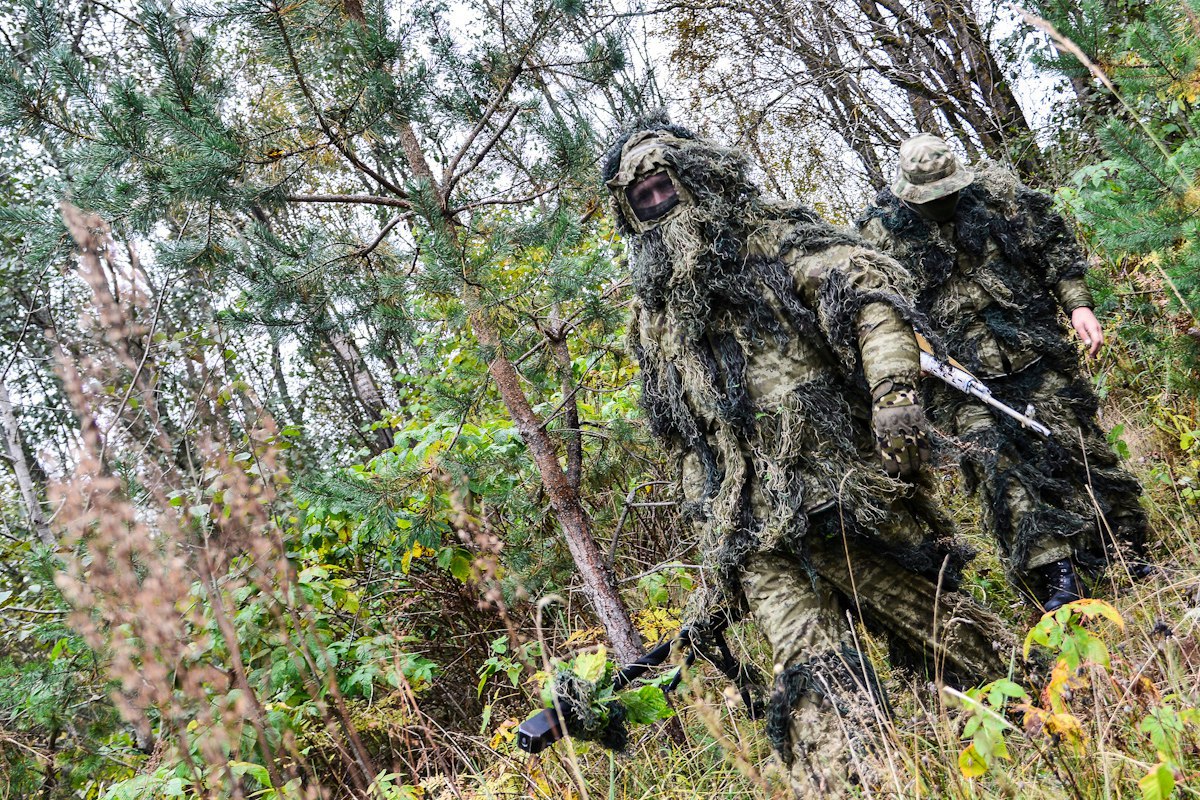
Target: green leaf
{"x":983,"y":744}
{"x":1094,"y":651}
{"x":1009,"y":688}
{"x":313,"y":573}
{"x":645,"y":704}
{"x":460,"y":567}
{"x":256,"y":771}
{"x":1158,"y":784}
{"x":590,"y":666}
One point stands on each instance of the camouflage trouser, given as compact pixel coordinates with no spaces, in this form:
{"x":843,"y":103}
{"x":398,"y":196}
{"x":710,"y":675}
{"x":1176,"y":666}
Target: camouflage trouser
{"x":1040,"y":499}
{"x":975,"y":419}
{"x":827,"y":705}
{"x":822,"y":708}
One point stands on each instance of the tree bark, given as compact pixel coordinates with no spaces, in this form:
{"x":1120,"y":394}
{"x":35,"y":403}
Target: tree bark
{"x":598,"y":583}
{"x":361,"y":381}
{"x":16,"y":455}
{"x":281,"y":386}
{"x":572,"y":435}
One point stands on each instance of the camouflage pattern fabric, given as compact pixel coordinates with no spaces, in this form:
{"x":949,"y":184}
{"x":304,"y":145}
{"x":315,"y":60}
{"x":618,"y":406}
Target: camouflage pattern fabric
{"x":991,"y":282}
{"x":763,"y":333}
{"x":828,"y":703}
{"x":900,"y":431}
{"x":827,"y":700}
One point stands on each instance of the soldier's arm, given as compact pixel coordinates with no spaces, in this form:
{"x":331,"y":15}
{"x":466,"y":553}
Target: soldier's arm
{"x":1061,"y":258}
{"x":881,"y":328}
{"x":1058,"y":252}
{"x":855,"y":281}
{"x":885,"y":339}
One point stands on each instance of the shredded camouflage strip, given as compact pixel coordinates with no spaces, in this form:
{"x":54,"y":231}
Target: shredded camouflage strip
{"x":842,"y":678}
{"x":585,"y":721}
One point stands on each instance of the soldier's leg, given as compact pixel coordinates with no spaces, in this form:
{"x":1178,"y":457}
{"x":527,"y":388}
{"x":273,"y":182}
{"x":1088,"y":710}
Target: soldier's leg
{"x":957,"y":638}
{"x":1009,"y":506}
{"x":1103,"y":485}
{"x":822,"y":710}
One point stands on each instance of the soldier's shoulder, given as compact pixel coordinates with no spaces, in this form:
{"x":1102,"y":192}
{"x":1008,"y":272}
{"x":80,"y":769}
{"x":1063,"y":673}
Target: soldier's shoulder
{"x":808,"y":233}
{"x":871,"y":228}
{"x":1004,"y":188}
{"x":1000,"y":182}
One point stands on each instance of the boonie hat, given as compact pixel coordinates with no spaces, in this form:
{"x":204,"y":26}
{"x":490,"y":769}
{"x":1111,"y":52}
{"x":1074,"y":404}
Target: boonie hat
{"x":928,"y":169}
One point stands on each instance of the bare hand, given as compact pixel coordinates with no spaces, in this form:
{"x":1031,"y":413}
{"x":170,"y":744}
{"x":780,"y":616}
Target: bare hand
{"x":1088,"y":327}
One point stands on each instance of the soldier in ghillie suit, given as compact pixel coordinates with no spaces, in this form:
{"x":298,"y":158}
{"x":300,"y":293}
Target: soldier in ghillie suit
{"x":778,"y":365}
{"x":994,"y":264}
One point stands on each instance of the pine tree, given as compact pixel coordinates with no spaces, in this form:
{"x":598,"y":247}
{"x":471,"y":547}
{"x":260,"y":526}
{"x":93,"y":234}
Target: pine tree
{"x":351,"y":177}
{"x":1143,"y":201}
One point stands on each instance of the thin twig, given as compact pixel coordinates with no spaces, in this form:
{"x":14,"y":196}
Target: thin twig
{"x":368,"y":199}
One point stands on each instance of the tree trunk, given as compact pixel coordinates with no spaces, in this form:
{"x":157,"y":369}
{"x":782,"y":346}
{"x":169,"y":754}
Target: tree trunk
{"x":598,"y":583}
{"x":16,"y":455}
{"x":361,"y":381}
{"x":281,"y":386}
{"x":572,"y":435}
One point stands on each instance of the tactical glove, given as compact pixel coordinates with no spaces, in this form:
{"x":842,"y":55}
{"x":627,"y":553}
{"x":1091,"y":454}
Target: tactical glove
{"x":900,"y":430}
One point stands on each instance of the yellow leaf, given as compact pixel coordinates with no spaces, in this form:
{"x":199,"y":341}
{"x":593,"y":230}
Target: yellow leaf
{"x":971,"y":763}
{"x":505,"y":734}
{"x":585,"y":635}
{"x":590,"y":666}
{"x":1091,"y":607}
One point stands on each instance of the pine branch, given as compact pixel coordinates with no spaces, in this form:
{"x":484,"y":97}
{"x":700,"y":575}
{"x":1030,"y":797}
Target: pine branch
{"x":334,"y":139}
{"x":366,"y":199}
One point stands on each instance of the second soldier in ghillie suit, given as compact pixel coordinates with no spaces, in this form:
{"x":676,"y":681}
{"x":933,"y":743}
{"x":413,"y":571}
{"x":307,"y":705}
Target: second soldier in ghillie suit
{"x":778,"y":365}
{"x":994,"y":264}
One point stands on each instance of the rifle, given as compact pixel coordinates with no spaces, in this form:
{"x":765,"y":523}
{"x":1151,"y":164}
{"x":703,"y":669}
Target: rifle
{"x":544,"y":729}
{"x":954,"y":374}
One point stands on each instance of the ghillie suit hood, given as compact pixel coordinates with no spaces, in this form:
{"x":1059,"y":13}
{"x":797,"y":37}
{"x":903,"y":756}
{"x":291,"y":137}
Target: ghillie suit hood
{"x":729,"y":283}
{"x":992,"y":282}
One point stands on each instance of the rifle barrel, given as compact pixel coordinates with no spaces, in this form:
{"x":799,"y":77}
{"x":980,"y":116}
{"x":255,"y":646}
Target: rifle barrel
{"x":967,"y":383}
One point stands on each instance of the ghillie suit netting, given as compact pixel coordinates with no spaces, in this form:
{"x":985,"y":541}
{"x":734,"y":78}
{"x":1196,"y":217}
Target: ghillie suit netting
{"x":587,"y":718}
{"x":993,"y":293}
{"x":763,"y":333}
{"x":717,"y":292}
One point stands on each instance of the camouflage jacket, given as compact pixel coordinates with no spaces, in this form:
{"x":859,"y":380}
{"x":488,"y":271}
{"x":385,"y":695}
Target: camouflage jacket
{"x":992,"y":280}
{"x":807,"y":443}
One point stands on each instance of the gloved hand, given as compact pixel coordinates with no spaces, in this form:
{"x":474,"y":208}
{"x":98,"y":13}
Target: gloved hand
{"x":900,"y":427}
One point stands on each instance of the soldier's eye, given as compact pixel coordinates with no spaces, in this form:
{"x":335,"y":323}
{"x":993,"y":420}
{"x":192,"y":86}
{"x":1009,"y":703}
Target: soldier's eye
{"x":652,"y":196}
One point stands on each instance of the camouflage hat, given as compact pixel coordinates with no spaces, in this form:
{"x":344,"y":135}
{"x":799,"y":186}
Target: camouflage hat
{"x":928,"y":169}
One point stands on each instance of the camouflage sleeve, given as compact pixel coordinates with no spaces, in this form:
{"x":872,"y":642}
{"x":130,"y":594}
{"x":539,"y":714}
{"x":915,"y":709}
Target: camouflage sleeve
{"x":861,"y":296}
{"x":889,"y":349}
{"x":1053,"y":241}
{"x":1073,"y":293}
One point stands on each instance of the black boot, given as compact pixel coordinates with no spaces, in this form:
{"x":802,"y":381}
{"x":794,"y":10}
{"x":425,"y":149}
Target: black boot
{"x":1140,"y":566}
{"x":1060,"y":584}
{"x":1140,"y":570}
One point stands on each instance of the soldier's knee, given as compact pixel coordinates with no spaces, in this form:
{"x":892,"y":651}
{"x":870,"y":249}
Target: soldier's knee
{"x":837,"y":683}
